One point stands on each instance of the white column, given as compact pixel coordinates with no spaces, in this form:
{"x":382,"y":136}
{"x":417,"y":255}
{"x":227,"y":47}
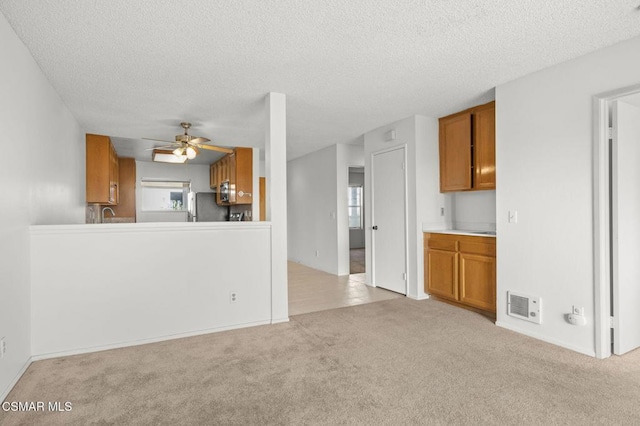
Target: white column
{"x":276,"y":202}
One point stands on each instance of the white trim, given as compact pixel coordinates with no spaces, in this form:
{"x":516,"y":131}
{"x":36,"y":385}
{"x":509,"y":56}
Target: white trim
{"x":13,"y":382}
{"x":546,"y":338}
{"x":423,"y":296}
{"x":279,"y":320}
{"x":145,"y":341}
{"x":112,"y":228}
{"x":601,"y":219}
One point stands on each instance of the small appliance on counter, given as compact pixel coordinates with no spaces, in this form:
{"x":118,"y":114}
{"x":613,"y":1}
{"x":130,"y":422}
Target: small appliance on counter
{"x":235,"y":217}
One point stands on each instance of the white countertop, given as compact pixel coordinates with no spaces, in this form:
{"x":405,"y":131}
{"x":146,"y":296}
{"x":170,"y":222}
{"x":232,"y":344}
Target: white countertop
{"x":462,"y":232}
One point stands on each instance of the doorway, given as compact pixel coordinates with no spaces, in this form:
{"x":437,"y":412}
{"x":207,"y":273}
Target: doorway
{"x":355,"y":206}
{"x":616,"y":212}
{"x":389,"y":219}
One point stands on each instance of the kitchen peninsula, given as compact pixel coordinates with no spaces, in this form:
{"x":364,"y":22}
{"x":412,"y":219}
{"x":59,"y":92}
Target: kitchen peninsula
{"x":135,"y":283}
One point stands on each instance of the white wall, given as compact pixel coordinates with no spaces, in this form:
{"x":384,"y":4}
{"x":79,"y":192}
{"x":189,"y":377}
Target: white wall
{"x":420,"y":135}
{"x":312,"y":210}
{"x":198,"y":174}
{"x":43,"y":183}
{"x":145,"y":282}
{"x":545,"y":172}
{"x":474,"y":210}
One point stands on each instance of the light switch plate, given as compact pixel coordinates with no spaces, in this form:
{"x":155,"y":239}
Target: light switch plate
{"x":513,"y":216}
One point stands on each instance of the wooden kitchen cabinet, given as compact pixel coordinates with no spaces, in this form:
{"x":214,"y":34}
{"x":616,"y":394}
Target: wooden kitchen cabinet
{"x":461,"y":269}
{"x":467,"y":150}
{"x":126,"y":207}
{"x":101,"y":171}
{"x":237,"y":169}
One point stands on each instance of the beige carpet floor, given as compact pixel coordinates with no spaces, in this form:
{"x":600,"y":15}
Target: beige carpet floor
{"x":392,"y":362}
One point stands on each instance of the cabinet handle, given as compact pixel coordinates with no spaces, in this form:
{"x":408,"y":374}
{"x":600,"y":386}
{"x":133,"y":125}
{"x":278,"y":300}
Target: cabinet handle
{"x":375,"y":227}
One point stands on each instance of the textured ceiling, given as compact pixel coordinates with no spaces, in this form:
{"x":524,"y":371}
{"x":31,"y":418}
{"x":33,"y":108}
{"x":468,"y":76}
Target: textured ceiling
{"x":135,"y":69}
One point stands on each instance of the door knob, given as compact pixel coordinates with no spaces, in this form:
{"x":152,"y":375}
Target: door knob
{"x":375,"y":227}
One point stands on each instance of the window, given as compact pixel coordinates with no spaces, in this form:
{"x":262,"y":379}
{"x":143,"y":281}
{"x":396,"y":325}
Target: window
{"x":355,"y":207}
{"x":164,"y":195}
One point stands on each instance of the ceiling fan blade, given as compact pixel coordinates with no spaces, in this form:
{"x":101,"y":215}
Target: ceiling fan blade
{"x":159,"y":140}
{"x":215,"y":148}
{"x":161,"y":147}
{"x":198,"y":139}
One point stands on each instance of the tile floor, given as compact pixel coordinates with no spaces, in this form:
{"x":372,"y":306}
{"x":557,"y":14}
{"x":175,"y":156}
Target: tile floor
{"x":311,"y":290}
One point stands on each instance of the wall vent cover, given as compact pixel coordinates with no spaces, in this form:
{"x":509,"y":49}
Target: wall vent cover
{"x":525,"y":307}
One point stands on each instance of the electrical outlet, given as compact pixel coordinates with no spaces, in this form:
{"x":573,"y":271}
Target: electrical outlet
{"x":233,"y":296}
{"x":441,"y":211}
{"x":317,"y":253}
{"x":3,"y":347}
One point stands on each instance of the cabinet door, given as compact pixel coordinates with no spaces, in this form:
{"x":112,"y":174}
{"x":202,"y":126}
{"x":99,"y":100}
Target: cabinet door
{"x":478,"y":281}
{"x":484,"y":135}
{"x":442,"y":275}
{"x":214,"y":178}
{"x":231,"y":167}
{"x":114,"y":176}
{"x":455,"y":153}
{"x":244,"y":175}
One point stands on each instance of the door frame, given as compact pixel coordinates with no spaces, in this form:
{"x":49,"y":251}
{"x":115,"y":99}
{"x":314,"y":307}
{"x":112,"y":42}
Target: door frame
{"x":372,"y":201}
{"x":601,"y":217}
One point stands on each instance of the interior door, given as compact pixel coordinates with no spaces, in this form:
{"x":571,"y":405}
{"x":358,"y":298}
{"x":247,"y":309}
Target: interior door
{"x":625,"y":217}
{"x":389,"y":234}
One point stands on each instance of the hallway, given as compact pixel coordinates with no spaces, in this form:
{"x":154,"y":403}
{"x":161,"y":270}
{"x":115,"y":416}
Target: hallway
{"x":311,"y":290}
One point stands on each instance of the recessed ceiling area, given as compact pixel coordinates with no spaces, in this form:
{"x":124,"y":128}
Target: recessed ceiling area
{"x":134,"y":69}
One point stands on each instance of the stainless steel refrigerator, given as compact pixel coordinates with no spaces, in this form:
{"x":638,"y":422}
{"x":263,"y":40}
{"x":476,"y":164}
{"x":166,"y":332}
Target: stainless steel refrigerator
{"x":203,"y":208}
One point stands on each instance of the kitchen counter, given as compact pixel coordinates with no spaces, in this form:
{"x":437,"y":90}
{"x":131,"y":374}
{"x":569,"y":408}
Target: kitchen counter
{"x":462,"y":232}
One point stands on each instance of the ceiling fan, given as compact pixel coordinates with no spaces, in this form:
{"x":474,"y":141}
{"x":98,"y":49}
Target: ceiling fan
{"x":187,"y":146}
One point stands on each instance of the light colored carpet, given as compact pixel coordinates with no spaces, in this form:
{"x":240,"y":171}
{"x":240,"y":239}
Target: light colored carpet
{"x":392,"y":362}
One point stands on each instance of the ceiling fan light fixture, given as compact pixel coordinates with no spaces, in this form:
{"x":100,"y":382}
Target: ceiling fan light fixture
{"x":166,"y":156}
{"x":178,"y":151}
{"x":191,"y":152}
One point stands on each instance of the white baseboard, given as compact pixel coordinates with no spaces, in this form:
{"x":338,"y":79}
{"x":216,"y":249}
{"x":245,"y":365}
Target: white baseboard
{"x":583,"y":351}
{"x":5,"y":393}
{"x":419,"y":297}
{"x":279,"y":320}
{"x":39,"y":357}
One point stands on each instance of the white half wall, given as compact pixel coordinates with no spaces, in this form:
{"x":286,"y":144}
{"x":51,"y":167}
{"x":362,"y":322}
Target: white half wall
{"x":136,"y":283}
{"x":544,"y":155}
{"x":43,"y":184}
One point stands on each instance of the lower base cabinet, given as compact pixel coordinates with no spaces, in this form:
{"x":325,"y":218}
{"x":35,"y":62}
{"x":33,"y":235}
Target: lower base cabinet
{"x":461,"y":269}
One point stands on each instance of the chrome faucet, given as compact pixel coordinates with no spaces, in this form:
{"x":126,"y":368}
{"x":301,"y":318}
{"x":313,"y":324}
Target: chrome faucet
{"x":113,"y":214}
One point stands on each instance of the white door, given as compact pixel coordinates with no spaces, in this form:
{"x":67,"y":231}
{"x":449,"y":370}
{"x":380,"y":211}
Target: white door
{"x":388,"y":193}
{"x":625,"y":217}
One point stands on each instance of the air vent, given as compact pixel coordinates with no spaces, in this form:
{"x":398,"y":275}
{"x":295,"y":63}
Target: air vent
{"x":525,"y":307}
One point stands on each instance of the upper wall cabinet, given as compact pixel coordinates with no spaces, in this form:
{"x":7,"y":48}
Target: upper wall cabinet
{"x":233,"y":174}
{"x":467,"y":150}
{"x":102,"y":170}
